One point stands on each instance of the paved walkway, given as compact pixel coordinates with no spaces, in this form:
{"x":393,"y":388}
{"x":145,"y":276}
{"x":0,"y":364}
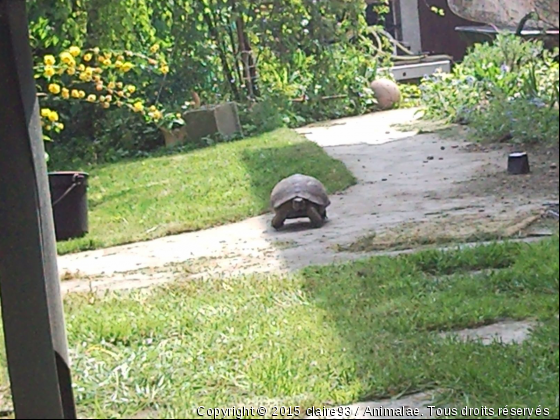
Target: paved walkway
{"x":402,"y":177}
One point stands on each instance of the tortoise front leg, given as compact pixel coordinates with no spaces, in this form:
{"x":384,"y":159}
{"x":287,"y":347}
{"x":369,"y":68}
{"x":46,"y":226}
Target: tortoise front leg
{"x":280,"y":217}
{"x":316,"y":218}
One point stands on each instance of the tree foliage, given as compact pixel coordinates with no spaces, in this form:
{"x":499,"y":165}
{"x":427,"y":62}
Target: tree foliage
{"x":288,"y":61}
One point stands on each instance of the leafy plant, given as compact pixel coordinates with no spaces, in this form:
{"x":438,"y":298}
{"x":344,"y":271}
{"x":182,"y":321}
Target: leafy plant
{"x":287,"y":55}
{"x":508,"y":89}
{"x":95,"y":77}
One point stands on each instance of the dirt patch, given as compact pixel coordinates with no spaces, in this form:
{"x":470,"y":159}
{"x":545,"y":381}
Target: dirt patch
{"x":448,"y":228}
{"x":493,"y":178}
{"x":284,"y":244}
{"x":442,"y":128}
{"x":135,"y":279}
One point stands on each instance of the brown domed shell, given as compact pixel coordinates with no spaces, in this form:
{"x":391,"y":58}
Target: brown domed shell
{"x":302,"y":186}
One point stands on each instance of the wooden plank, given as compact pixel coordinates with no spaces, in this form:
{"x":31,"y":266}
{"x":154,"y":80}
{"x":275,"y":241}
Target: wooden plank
{"x":32,"y":313}
{"x":419,"y":70}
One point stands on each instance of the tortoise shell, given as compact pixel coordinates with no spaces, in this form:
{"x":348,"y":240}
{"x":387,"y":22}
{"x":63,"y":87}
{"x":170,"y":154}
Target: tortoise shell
{"x":299,"y":186}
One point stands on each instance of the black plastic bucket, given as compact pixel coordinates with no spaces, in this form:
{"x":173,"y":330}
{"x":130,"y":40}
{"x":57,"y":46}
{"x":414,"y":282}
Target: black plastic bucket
{"x":69,"y":204}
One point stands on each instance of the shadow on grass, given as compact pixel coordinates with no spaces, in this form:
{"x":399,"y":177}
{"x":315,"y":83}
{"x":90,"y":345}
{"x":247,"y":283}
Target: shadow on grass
{"x":389,"y":311}
{"x":303,"y":157}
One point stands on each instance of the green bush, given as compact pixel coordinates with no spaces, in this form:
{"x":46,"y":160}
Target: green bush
{"x":505,"y":89}
{"x":277,"y":60}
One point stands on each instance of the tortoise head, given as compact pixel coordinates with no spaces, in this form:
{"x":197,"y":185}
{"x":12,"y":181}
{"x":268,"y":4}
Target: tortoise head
{"x":298,"y":204}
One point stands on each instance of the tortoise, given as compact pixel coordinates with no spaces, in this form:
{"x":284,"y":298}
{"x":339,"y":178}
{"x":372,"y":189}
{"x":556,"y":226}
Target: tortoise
{"x":299,"y":196}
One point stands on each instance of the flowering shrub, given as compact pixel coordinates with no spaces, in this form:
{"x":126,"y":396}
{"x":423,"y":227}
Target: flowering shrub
{"x":508,"y":89}
{"x":277,"y":60}
{"x":99,"y":78}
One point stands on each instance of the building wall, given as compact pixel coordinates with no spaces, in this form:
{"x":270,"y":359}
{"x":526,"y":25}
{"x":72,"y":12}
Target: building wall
{"x":437,"y":33}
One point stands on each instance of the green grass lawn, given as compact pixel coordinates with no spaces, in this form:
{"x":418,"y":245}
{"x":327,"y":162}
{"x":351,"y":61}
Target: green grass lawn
{"x":323,"y":336}
{"x":159,"y":196}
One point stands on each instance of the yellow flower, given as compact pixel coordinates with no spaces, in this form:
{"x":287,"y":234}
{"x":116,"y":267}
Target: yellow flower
{"x":49,"y":60}
{"x":154,"y":48}
{"x":108,"y":98}
{"x":65,"y":93}
{"x":178,"y":115}
{"x":82,"y":94}
{"x":45,"y":112}
{"x":85,"y":76}
{"x":99,"y":86}
{"x":119,"y":103}
{"x":98,"y":70}
{"x":96,"y":50}
{"x":75,"y":51}
{"x":71,"y":71}
{"x":164,"y":69}
{"x":75,"y":93}
{"x":105,"y":105}
{"x":107,"y":62}
{"x":127,"y":66}
{"x":67,"y":58}
{"x":131,"y":88}
{"x":60,"y":71}
{"x":120,"y":85}
{"x":108,"y":55}
{"x":81,"y":67}
{"x":49,"y":71}
{"x":152,"y":108}
{"x":54,"y":88}
{"x":111,"y":85}
{"x":138,"y":107}
{"x":53,"y":116}
{"x":60,"y":126}
{"x":87,"y":57}
{"x":118,"y":64}
{"x":91,"y":98}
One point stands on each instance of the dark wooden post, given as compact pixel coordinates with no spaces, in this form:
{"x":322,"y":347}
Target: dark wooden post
{"x":32,"y":313}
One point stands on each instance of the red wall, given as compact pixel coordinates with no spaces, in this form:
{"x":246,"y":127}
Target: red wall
{"x":438,"y":32}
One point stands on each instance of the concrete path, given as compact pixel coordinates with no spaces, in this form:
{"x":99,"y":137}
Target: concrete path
{"x":402,"y":177}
